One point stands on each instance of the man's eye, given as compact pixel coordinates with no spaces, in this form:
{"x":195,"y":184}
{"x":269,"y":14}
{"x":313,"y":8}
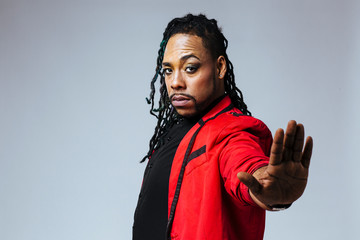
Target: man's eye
{"x":191,"y":69}
{"x":167,"y":71}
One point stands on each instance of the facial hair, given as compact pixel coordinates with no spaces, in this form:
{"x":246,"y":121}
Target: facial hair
{"x":200,"y":107}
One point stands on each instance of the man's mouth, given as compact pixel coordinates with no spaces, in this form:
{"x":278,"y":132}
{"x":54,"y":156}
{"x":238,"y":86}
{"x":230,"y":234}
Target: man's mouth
{"x":179,"y":100}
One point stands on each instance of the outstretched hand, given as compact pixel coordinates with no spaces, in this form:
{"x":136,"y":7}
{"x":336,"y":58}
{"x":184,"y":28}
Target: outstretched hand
{"x":284,"y":179}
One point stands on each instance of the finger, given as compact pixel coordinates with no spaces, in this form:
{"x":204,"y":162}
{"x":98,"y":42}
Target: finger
{"x":307,"y":152}
{"x":298,"y":143}
{"x":276,"y":151}
{"x":289,"y":140}
{"x":250,"y":182}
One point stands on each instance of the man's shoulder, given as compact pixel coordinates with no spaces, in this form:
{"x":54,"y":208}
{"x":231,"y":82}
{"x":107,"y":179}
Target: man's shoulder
{"x":234,"y":120}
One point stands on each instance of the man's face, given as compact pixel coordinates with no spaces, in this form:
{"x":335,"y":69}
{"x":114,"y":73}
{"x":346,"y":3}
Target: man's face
{"x":191,"y":74}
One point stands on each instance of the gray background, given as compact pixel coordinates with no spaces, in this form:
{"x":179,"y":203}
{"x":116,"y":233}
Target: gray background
{"x":74,"y":124}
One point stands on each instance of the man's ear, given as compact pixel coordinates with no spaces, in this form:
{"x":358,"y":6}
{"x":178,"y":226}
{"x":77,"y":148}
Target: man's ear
{"x":221,"y":67}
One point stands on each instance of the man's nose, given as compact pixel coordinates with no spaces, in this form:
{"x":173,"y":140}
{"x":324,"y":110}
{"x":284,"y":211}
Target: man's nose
{"x":177,"y":82}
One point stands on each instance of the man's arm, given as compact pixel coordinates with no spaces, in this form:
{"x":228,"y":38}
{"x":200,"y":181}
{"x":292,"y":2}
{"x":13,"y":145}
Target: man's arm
{"x":284,"y":179}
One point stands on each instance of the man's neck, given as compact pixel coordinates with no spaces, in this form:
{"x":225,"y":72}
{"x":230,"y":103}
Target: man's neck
{"x":197,"y":117}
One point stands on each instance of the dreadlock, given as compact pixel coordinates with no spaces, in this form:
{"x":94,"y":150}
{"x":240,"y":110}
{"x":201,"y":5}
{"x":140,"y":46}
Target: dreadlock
{"x":216,"y":43}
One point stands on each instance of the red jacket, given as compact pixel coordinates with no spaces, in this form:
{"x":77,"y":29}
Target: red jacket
{"x":206,"y":199}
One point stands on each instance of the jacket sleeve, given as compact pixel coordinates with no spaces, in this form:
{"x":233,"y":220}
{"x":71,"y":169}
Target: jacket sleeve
{"x":243,"y":148}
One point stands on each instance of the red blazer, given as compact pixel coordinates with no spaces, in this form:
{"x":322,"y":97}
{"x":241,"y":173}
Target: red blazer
{"x":206,"y":200}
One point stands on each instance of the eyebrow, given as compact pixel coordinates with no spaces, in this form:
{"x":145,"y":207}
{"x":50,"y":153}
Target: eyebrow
{"x":182,"y":59}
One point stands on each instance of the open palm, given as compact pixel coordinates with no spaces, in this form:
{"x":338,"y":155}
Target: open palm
{"x":285,"y":178}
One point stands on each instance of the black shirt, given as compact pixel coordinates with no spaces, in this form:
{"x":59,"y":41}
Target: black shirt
{"x":150,"y":218}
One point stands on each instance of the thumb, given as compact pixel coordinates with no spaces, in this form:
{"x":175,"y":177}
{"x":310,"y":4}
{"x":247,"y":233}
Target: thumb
{"x":251,"y":182}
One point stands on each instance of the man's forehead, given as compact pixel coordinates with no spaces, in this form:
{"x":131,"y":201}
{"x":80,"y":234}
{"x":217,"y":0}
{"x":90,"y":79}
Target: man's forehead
{"x":181,"y":46}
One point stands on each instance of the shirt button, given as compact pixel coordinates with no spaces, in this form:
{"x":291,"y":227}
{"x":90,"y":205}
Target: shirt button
{"x":169,"y":138}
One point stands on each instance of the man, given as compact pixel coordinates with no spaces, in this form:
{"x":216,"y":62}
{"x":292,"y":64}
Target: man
{"x":212,"y":169}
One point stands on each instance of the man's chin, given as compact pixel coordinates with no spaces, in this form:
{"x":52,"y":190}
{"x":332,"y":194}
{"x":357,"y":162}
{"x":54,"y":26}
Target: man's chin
{"x":186,"y":113}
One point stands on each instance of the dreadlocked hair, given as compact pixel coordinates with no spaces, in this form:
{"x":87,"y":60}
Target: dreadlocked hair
{"x":216,"y":43}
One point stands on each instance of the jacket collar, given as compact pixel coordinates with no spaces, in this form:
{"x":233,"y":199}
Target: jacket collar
{"x":224,"y":103}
